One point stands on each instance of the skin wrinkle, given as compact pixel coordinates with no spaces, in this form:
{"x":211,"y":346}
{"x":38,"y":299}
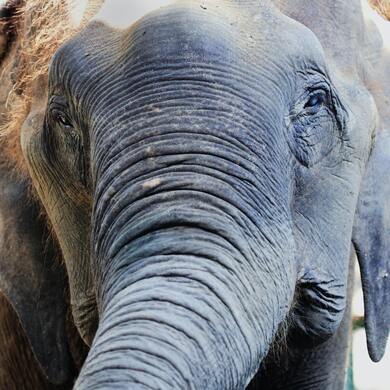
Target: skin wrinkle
{"x":190,"y":164}
{"x":227,"y":116}
{"x":156,"y":367}
{"x":117,"y":176}
{"x":108,"y":175}
{"x":253,"y":237}
{"x":205,"y":240}
{"x":163,"y":106}
{"x":116,"y":154}
{"x":192,"y":83}
{"x":193,"y":269}
{"x":128,"y":335}
{"x":159,"y":320}
{"x":206,"y":257}
{"x":192,"y":256}
{"x":223,"y":138}
{"x":99,"y":119}
{"x":134,"y":381}
{"x":161,"y":117}
{"x":208,"y":152}
{"x":138,"y":350}
{"x":166,"y":191}
{"x":154,"y":160}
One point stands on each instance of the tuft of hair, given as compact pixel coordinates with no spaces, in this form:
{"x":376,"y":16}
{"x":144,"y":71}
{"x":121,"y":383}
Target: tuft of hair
{"x":382,"y":6}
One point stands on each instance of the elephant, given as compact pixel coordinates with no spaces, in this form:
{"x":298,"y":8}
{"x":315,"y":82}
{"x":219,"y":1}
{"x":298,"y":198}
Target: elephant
{"x":40,"y":347}
{"x":205,"y":171}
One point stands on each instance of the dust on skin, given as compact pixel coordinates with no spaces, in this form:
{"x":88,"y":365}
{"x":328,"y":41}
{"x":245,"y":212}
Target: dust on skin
{"x":151,"y":183}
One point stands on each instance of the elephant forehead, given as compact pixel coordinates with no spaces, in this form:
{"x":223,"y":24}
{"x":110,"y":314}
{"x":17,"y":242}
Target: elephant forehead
{"x":209,"y":32}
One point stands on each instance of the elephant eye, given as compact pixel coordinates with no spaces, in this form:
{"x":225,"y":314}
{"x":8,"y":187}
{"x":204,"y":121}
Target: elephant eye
{"x":313,"y":127}
{"x":61,"y":118}
{"x":317,"y":99}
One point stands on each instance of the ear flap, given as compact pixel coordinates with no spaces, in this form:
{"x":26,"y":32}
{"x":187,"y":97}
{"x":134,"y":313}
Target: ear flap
{"x":371,"y":238}
{"x":30,"y":279}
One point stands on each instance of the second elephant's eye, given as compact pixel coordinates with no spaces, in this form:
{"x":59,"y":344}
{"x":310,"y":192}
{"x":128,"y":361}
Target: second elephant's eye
{"x":61,"y":118}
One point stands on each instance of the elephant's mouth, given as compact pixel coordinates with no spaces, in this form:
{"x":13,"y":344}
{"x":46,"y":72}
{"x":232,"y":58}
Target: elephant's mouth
{"x":318,"y":310}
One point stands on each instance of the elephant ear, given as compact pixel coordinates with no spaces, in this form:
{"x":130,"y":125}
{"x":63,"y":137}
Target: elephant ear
{"x":371,"y":239}
{"x":31,"y":281}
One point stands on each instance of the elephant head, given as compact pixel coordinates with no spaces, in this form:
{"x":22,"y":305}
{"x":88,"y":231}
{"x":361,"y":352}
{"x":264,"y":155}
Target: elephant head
{"x":201,"y":170}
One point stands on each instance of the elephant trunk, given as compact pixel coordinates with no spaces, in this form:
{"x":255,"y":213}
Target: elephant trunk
{"x":192,"y":249}
{"x":191,"y":292}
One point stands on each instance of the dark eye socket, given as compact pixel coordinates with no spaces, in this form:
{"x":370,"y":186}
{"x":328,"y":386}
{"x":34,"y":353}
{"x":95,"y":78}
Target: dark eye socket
{"x":61,"y":118}
{"x":316,"y":99}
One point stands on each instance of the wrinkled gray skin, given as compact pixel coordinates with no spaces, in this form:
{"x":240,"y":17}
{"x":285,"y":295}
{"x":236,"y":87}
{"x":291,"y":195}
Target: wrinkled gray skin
{"x":214,"y":154}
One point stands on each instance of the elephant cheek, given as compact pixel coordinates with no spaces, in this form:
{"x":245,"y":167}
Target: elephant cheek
{"x":71,"y":231}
